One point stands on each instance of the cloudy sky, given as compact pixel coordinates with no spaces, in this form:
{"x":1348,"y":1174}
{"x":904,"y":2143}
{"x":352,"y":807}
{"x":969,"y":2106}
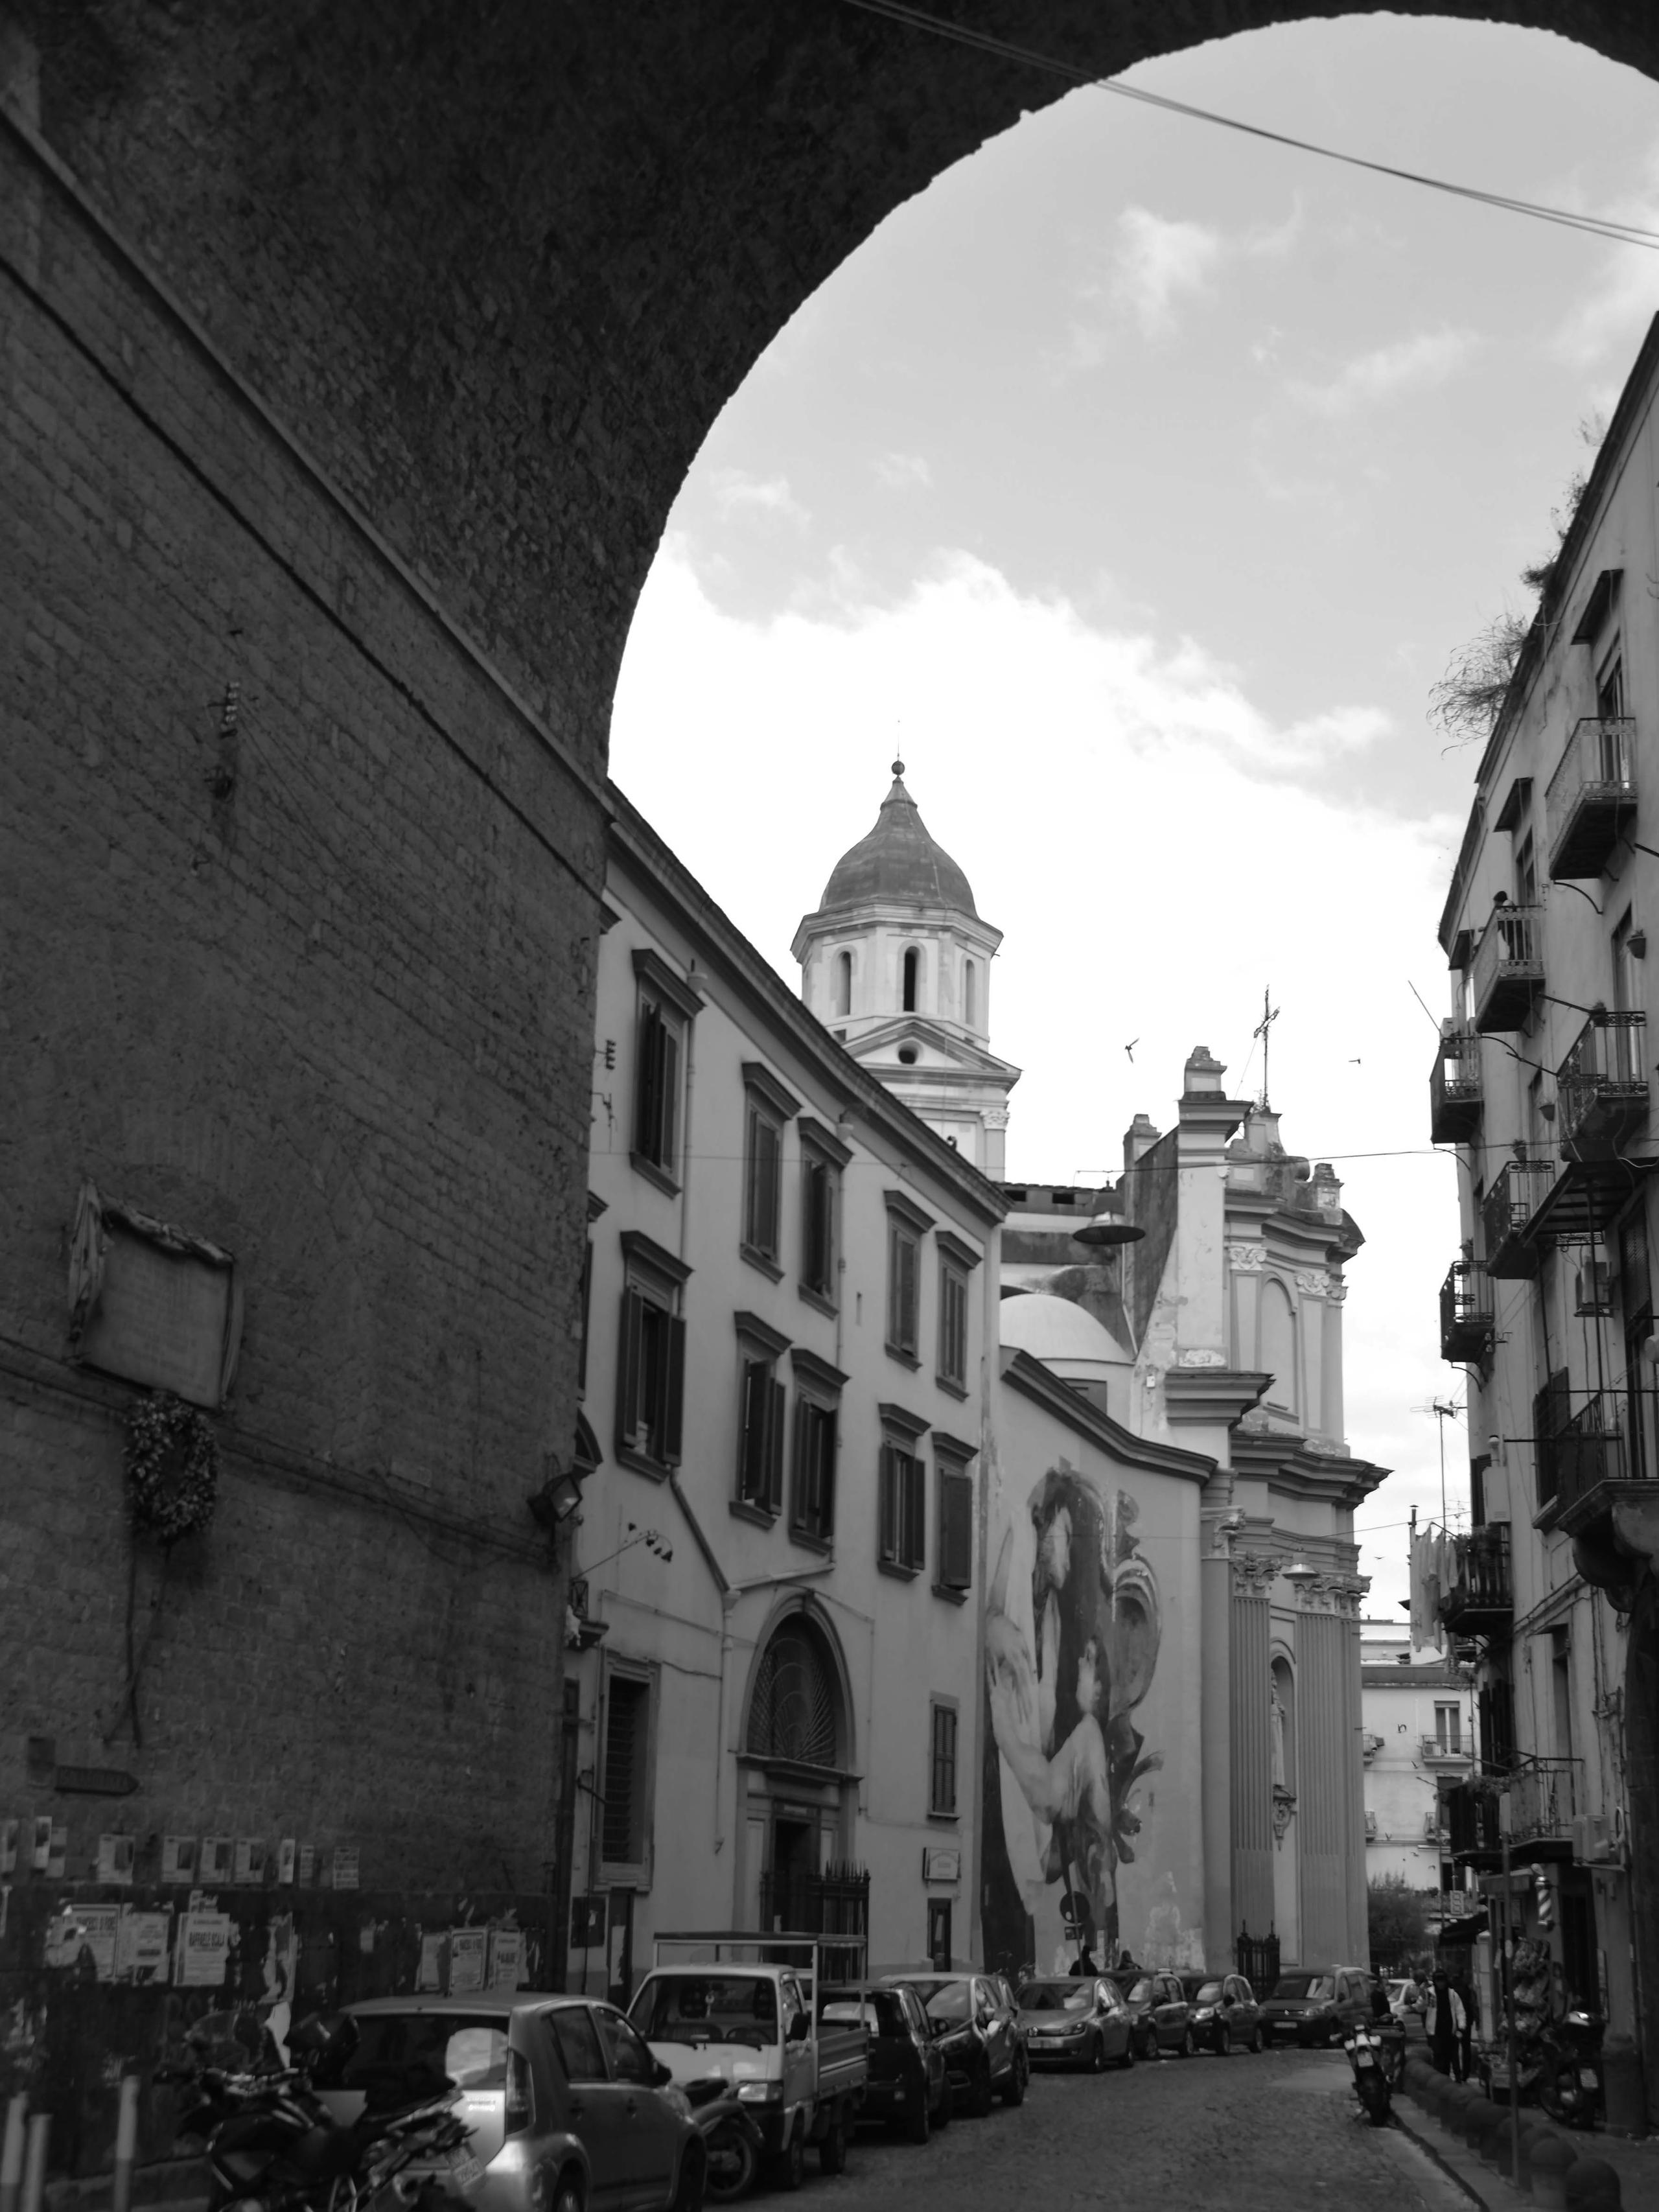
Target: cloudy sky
{"x":1135,"y":482}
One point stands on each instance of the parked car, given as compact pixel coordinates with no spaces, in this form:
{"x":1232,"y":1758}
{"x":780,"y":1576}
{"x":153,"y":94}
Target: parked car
{"x":1405,"y":1999}
{"x":977,"y":2031}
{"x":1316,"y":2007}
{"x":565,"y":2107}
{"x":1163,"y":2017}
{"x":1077,"y":2022}
{"x":909,"y":2086}
{"x":1226,"y":2014}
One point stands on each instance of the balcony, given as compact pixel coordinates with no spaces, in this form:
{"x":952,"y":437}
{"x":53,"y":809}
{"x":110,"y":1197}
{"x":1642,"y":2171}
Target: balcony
{"x":1454,"y":1093}
{"x":1453,"y":1754}
{"x":1543,"y":1795}
{"x":1480,"y":1600}
{"x":1507,"y":970}
{"x":1591,"y":799}
{"x":1519,"y":1188}
{"x":1465,"y":1314}
{"x":1577,"y":1452}
{"x":1602,"y":1085}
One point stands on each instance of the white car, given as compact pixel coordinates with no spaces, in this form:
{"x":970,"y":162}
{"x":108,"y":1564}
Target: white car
{"x":1404,"y":1998}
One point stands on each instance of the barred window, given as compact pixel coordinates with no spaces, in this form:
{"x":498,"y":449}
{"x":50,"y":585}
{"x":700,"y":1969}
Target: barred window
{"x":627,"y":1770}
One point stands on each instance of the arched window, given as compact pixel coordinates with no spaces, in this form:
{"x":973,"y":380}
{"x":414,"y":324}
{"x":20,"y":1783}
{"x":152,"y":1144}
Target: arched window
{"x":843,"y":984}
{"x":912,"y":979}
{"x":1278,"y":1344}
{"x":795,"y":1711}
{"x":970,"y":994}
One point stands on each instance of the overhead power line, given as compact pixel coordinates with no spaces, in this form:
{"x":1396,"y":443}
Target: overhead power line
{"x":961,"y":34}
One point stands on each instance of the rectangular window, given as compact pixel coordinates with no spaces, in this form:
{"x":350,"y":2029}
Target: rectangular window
{"x":762,"y":1182}
{"x":760,"y":1447}
{"x":903,"y":1285}
{"x":814,"y":1512}
{"x":942,"y":1774}
{"x":1526,"y":872}
{"x":903,"y":1509}
{"x":650,"y":1357}
{"x":952,"y":1325}
{"x":956,"y":1529}
{"x":817,"y":1269}
{"x":667,"y":1005}
{"x":627,"y":1773}
{"x":1447,"y":1727}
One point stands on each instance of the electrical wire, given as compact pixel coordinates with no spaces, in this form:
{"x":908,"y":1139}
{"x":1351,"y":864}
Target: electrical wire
{"x":917,"y":19}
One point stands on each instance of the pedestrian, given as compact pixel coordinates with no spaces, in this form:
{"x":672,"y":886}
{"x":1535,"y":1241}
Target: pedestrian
{"x":1465,"y":1996}
{"x":1084,"y":1964}
{"x":1444,"y":2023}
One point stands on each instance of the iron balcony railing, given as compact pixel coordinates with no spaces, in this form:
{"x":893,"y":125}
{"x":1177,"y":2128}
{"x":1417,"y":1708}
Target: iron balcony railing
{"x":1591,"y":797}
{"x":1466,"y":1313}
{"x":1507,"y":972}
{"x":1454,"y":1091}
{"x":1586,"y":1448}
{"x":1602,"y":1085}
{"x":1480,"y":1592}
{"x":1543,"y":1795}
{"x":1453,"y":1754}
{"x":1519,"y":1188}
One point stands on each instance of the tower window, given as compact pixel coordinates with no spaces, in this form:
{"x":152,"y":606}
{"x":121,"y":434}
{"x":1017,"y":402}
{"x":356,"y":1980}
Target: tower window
{"x":970,"y":994}
{"x":912,"y":978}
{"x":843,"y":985}
{"x":908,"y":1055}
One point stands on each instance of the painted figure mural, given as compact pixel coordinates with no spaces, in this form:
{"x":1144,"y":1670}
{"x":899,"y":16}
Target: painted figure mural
{"x":1063,"y":1678}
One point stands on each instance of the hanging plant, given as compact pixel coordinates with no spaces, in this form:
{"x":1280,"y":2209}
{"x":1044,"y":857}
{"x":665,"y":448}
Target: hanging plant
{"x":173,"y":1467}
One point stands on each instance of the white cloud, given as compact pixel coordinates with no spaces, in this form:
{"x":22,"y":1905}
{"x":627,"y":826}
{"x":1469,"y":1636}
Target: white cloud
{"x":1414,"y":364}
{"x":737,"y":492}
{"x":904,"y":471}
{"x":1159,"y":262}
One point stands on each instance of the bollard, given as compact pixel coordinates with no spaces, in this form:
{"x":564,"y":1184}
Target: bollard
{"x":1549,"y":2164}
{"x":1592,"y":2186}
{"x":11,"y":2152}
{"x":35,"y":2165}
{"x":1493,"y":2137}
{"x":1623,"y":2088}
{"x":1534,"y":2131}
{"x":126,"y":2146}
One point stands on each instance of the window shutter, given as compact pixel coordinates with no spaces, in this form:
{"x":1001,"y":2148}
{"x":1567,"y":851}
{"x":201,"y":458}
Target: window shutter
{"x":916,"y":1504}
{"x":768,"y":1157}
{"x":648,"y":1078}
{"x":825,"y":1427}
{"x":906,"y":1315}
{"x":750,"y":1469}
{"x":815,"y":1271}
{"x":884,"y":1501}
{"x":628,"y":1370}
{"x":673,"y":1397}
{"x":774,"y":1422}
{"x":955,"y":1531}
{"x":668,"y":1096}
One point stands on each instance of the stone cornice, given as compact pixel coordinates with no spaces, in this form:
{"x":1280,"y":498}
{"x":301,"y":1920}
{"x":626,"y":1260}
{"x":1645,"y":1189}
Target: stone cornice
{"x":1192,"y":1395}
{"x":1289,"y":1464}
{"x":1021,"y":1372}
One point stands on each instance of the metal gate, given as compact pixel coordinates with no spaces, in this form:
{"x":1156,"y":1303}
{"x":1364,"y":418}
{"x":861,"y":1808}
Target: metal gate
{"x":1256,"y":1957}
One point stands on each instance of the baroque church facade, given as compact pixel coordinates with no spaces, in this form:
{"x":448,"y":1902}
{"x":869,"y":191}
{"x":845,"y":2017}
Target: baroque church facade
{"x":1163,"y":1420}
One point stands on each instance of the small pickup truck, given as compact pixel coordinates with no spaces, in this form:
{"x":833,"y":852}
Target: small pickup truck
{"x":740,"y":2007}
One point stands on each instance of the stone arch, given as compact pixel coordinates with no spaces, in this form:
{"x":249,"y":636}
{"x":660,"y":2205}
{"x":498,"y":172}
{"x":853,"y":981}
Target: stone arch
{"x":1278,"y":1340}
{"x":798,"y":1705}
{"x":797,"y":1801}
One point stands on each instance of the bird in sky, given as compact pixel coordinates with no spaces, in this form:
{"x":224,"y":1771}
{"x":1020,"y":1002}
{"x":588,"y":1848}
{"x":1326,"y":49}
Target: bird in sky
{"x":1130,"y":1047}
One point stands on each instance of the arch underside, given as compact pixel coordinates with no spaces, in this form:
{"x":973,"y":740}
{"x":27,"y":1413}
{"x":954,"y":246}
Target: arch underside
{"x":501,"y":269}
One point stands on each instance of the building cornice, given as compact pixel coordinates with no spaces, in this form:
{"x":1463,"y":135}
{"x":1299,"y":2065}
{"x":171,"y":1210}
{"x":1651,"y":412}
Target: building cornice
{"x":1288,"y":1465}
{"x":1192,"y":1395}
{"x":1022,"y":1371}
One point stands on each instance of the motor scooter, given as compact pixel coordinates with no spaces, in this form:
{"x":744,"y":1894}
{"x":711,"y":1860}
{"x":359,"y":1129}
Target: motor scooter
{"x":1568,"y":2082}
{"x":731,"y":2137}
{"x":1365,"y":2056}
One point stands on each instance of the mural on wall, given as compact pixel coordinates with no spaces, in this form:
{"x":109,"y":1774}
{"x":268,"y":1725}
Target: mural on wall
{"x":1072,"y":1626}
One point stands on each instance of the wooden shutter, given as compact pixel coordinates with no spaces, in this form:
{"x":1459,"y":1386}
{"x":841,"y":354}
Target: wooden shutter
{"x":908,"y":1256}
{"x":815,"y":1271}
{"x":885,"y":1517}
{"x":769,"y":1159}
{"x":915,"y":1514}
{"x":955,"y":1531}
{"x":751,"y":1465}
{"x":628,"y":1370}
{"x":824,"y":1426}
{"x":673,"y":1398}
{"x":648,"y":1088}
{"x":772,"y":1499}
{"x":668,"y":1092}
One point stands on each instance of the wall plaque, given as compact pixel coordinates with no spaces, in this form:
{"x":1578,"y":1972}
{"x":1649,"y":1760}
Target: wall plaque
{"x":151,"y":1304}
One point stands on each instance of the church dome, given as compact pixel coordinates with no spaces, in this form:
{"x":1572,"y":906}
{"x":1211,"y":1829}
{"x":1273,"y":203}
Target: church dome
{"x":1058,"y":1331}
{"x":898,"y":864}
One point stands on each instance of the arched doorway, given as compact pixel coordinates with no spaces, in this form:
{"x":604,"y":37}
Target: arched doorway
{"x":797,"y":1786}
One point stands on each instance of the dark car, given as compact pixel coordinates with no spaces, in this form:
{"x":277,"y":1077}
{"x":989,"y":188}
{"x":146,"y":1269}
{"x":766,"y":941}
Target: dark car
{"x":908,"y":2087}
{"x":1315,"y":2007}
{"x":565,"y":2107}
{"x":1072,"y":2021}
{"x":1226,"y":2014}
{"x":1158,"y":2007}
{"x":977,"y":2033}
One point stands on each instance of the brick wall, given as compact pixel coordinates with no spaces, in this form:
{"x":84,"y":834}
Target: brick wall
{"x":318,"y":989}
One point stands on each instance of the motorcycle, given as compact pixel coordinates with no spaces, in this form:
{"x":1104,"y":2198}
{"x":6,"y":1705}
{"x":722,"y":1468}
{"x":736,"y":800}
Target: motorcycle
{"x":1568,"y":2081}
{"x":1365,"y":2056}
{"x":731,"y":2137}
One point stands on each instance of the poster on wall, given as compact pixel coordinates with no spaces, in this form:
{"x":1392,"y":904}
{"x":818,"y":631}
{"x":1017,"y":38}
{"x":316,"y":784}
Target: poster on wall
{"x":506,"y":1958}
{"x":1073,"y":1622}
{"x":144,"y":1947}
{"x":82,"y":1937}
{"x":203,"y":1949}
{"x":115,"y":1854}
{"x":431,"y":1973}
{"x":467,"y":1952}
{"x":178,"y":1860}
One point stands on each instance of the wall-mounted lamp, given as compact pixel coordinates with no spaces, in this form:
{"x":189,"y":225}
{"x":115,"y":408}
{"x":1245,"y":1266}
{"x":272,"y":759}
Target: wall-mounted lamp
{"x":1637,"y":944}
{"x":1301,"y":1574}
{"x":560,"y":1495}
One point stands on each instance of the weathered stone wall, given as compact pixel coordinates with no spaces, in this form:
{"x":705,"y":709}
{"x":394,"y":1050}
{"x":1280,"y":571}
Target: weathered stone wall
{"x":317,"y":987}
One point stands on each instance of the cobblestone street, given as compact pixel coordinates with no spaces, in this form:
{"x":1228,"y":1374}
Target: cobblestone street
{"x":1276,"y":2133}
